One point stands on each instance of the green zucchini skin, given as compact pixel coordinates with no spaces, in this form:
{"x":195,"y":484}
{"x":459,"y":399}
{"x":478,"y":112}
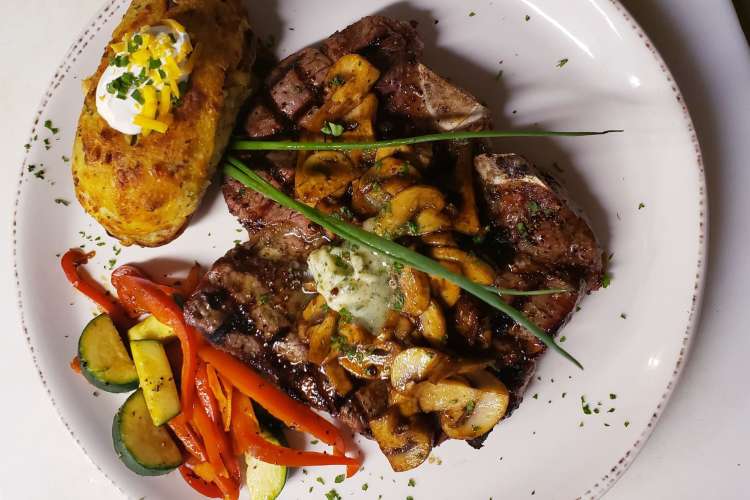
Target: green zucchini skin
{"x":144,"y":448}
{"x":104,"y":360}
{"x":266,"y":481}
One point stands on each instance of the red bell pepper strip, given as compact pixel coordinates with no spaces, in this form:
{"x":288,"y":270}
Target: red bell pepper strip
{"x":147,"y":296}
{"x":190,"y":284}
{"x":209,"y":490}
{"x":185,"y":434}
{"x":247,"y":438}
{"x":70,"y":262}
{"x":75,"y":365}
{"x":131,"y":270}
{"x":217,"y":444}
{"x":205,"y":395}
{"x":292,"y":413}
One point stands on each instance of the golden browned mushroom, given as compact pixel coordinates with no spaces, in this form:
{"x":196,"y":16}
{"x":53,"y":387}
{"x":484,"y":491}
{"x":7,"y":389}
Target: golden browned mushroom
{"x":432,"y":324}
{"x":320,"y":338}
{"x":479,"y":416}
{"x":430,"y":221}
{"x":370,"y":361}
{"x":392,"y":222}
{"x":467,"y":219}
{"x":439,"y":239}
{"x":415,"y":285}
{"x":322,"y":174}
{"x":447,"y":395}
{"x":448,"y":291}
{"x":380,"y":183}
{"x":338,"y":377}
{"x":414,"y":365}
{"x":357,"y":76}
{"x":405,"y":441}
{"x":407,"y":405}
{"x":472,"y":267}
{"x":315,"y":310}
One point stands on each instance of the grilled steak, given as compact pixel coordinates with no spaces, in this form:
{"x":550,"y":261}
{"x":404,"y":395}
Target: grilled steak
{"x":251,"y":300}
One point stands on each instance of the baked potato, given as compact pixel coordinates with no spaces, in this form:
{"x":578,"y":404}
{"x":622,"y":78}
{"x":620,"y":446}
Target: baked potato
{"x":144,"y":188}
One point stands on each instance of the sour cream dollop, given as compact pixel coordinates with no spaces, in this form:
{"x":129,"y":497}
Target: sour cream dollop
{"x":139,"y":87}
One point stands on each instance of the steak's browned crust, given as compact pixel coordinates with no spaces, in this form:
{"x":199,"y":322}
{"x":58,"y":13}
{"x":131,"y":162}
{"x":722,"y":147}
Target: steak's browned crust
{"x":533,"y":240}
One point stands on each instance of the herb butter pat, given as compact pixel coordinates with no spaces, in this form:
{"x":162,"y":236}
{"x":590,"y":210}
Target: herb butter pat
{"x":354,"y":279}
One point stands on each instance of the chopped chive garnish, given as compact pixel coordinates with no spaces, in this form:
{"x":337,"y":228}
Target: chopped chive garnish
{"x":354,"y":234}
{"x":244,"y":145}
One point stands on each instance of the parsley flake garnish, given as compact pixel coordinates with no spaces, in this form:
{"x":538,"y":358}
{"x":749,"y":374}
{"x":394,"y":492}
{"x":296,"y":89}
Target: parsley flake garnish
{"x":412,"y":483}
{"x":641,"y":205}
{"x":48,"y":125}
{"x":533,"y":207}
{"x":320,"y":480}
{"x":61,"y":201}
{"x":333,"y":495}
{"x":337,"y":81}
{"x":339,"y":479}
{"x":472,"y":14}
{"x":606,"y":280}
{"x":562,"y":62}
{"x":364,"y":487}
{"x":527,"y":17}
{"x":137,"y":96}
{"x":332,"y":129}
{"x":345,"y":315}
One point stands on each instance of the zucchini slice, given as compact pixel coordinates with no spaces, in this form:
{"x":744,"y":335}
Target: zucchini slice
{"x":151,"y":329}
{"x":144,"y":448}
{"x":157,"y":381}
{"x":104,"y":360}
{"x":265,"y":481}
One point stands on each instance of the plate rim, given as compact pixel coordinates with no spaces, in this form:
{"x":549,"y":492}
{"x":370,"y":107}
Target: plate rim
{"x":608,"y":479}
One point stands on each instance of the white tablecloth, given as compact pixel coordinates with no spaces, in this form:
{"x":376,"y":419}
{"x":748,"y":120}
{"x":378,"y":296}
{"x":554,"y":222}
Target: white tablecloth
{"x":700,"y":447}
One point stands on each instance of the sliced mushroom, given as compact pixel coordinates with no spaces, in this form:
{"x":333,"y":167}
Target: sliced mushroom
{"x":405,"y":441}
{"x":382,"y":182}
{"x":315,"y":310}
{"x":448,"y":291}
{"x":355,"y":76}
{"x":370,"y":362}
{"x":447,"y":395}
{"x":320,"y":336}
{"x":414,"y":365}
{"x":407,"y":405}
{"x":322,"y":174}
{"x":415,"y":285}
{"x":354,"y":333}
{"x":358,"y":125}
{"x":338,"y":377}
{"x":472,"y":267}
{"x":404,"y":207}
{"x":403,"y":328}
{"x":388,"y":152}
{"x":431,"y":221}
{"x":481,"y":415}
{"x":432,"y":324}
{"x":439,"y":239}
{"x":467,"y":219}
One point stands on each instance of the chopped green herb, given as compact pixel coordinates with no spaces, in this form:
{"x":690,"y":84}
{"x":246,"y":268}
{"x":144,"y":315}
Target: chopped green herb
{"x":39,"y":174}
{"x":333,"y":495}
{"x":47,"y":144}
{"x":364,"y":487}
{"x":320,"y":480}
{"x":412,"y":483}
{"x":332,"y":129}
{"x":585,"y":406}
{"x":116,"y":249}
{"x":527,"y":17}
{"x":310,"y":490}
{"x":611,"y":410}
{"x":562,"y":62}
{"x":499,"y":75}
{"x":337,"y":81}
{"x":264,"y":298}
{"x":623,"y":316}
{"x":137,"y":96}
{"x":339,"y":479}
{"x":65,"y":159}
{"x":410,"y":497}
{"x":345,"y":315}
{"x":533,"y":207}
{"x":398,"y":300}
{"x":27,"y":146}
{"x":154,"y":63}
{"x":606,"y":280}
{"x":48,"y":125}
{"x":612,"y":396}
{"x":412,"y":228}
{"x":563,"y":338}
{"x":472,"y":14}
{"x":641,"y":205}
{"x":61,"y":201}
{"x":536,"y":395}
{"x":521,"y":228}
{"x":111,"y":264}
{"x":626,"y":423}
{"x":162,"y":73}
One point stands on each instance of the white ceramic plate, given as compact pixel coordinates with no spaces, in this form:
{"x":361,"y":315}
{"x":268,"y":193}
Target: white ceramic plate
{"x":631,"y":337}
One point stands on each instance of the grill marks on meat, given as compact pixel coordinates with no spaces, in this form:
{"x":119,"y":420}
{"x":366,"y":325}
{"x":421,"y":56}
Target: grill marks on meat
{"x":248,"y":305}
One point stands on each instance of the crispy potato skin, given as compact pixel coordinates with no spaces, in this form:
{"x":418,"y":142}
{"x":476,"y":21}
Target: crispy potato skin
{"x":145,"y":193}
